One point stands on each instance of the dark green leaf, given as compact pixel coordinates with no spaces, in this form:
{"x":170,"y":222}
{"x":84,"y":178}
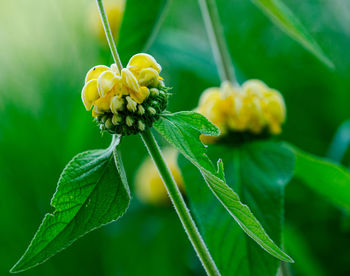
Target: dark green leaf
{"x":306,"y":262}
{"x":140,"y":25}
{"x":258,"y":172}
{"x":284,"y":18}
{"x":324,"y":177}
{"x":185,"y":137}
{"x":91,"y":192}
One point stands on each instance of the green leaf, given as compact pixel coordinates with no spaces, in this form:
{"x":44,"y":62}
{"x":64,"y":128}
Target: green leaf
{"x":284,"y":18}
{"x":324,"y":177}
{"x":306,"y":263}
{"x":258,"y":172}
{"x":91,"y":192}
{"x":179,"y":131}
{"x":140,"y":25}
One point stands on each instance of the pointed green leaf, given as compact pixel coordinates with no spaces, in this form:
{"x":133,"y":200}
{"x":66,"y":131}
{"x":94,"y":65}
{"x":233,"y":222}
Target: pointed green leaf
{"x":91,"y":192}
{"x":284,"y":18}
{"x":324,"y":177}
{"x":140,"y":25}
{"x":258,"y":172}
{"x":179,"y":132}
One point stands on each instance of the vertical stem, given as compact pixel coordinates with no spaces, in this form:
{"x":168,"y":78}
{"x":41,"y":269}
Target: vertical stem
{"x":109,"y":35}
{"x":179,"y":204}
{"x":173,"y":190}
{"x":217,"y":40}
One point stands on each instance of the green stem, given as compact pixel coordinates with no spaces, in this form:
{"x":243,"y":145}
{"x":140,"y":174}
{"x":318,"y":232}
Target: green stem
{"x":217,"y":40}
{"x":109,"y":35}
{"x":173,"y":190}
{"x":179,"y":204}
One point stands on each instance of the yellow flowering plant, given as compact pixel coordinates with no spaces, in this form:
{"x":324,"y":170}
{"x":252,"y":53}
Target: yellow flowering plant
{"x":257,"y":165}
{"x":93,"y":189}
{"x":149,"y":187}
{"x":126,"y":103}
{"x":252,"y":108}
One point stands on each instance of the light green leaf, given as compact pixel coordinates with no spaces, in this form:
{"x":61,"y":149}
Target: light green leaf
{"x":284,"y":18}
{"x":91,"y":192}
{"x":140,"y":25}
{"x":324,"y":177}
{"x":185,"y":137}
{"x":258,"y":172}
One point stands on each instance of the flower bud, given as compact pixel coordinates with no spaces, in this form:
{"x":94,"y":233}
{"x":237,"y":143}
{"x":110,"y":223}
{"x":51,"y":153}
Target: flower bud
{"x":129,"y":121}
{"x":116,"y":119}
{"x":152,"y":111}
{"x":132,"y":105}
{"x":154,"y":91}
{"x":141,"y":126}
{"x":117,"y":104}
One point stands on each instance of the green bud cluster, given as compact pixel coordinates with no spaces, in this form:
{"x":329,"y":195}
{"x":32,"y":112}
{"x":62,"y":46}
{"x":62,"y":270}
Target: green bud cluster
{"x":129,"y":117}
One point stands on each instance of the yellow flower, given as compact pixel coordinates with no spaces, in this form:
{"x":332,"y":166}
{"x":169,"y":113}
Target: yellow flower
{"x":102,"y":83}
{"x":149,"y":186}
{"x":126,"y":94}
{"x":114,"y":10}
{"x":253,"y":108}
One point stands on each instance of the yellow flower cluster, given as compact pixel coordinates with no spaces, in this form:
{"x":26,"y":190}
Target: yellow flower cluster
{"x":114,"y":11}
{"x":253,"y":108}
{"x":149,"y":186}
{"x":125,"y":103}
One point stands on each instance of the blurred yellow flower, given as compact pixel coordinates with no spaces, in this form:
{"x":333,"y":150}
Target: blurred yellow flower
{"x":125,"y":95}
{"x":114,"y":10}
{"x":149,"y":186}
{"x":253,"y":107}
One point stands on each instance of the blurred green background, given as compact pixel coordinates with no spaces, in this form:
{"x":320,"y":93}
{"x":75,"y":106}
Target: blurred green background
{"x":46,"y":49}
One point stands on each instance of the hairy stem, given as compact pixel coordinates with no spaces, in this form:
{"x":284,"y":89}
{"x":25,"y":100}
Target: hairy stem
{"x":179,"y":204}
{"x":109,"y":35}
{"x":217,"y":40}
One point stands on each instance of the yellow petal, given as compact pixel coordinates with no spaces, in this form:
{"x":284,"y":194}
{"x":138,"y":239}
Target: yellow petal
{"x":129,"y":80}
{"x":103,"y":104}
{"x":141,"y":95}
{"x":96,"y":112}
{"x":89,"y":94}
{"x":209,"y":95}
{"x":106,"y":82}
{"x":148,"y":76}
{"x":255,"y":87}
{"x":94,"y":72}
{"x":143,"y":61}
{"x":115,"y":69}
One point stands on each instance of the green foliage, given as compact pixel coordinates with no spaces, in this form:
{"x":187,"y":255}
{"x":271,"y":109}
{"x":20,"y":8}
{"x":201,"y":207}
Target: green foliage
{"x":283,"y":17}
{"x":91,"y":192}
{"x":296,"y":244}
{"x":182,"y":131}
{"x":141,"y":22}
{"x":324,"y":177}
{"x":258,"y":172}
